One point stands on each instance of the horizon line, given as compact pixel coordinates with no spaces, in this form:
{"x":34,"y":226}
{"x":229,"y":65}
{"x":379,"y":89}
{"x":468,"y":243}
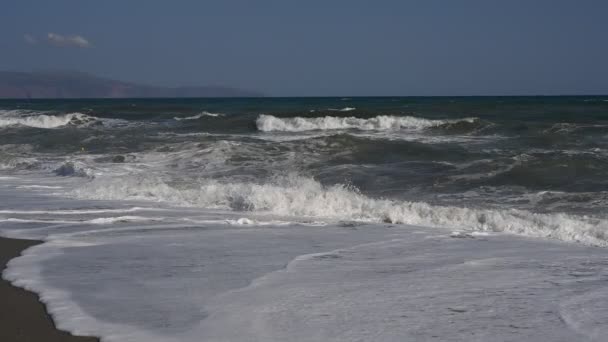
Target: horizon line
{"x":300,"y":97}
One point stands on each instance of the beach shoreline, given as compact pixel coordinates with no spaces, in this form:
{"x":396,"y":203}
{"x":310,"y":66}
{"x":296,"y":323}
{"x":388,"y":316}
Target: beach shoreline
{"x":23,"y":317}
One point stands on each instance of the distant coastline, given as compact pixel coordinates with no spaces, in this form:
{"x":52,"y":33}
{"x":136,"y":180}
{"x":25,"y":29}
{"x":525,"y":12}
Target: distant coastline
{"x":73,"y":85}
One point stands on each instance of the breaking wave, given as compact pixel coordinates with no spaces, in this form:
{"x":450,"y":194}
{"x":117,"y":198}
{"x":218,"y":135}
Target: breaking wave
{"x":270,"y":123}
{"x":7,"y":118}
{"x":73,"y":169}
{"x":345,"y":109}
{"x":198,"y":116}
{"x":301,"y":197}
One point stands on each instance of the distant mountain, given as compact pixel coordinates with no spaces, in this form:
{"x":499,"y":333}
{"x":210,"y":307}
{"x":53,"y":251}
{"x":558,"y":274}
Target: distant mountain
{"x":81,"y":85}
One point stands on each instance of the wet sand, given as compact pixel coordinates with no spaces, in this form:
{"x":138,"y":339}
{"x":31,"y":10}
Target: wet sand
{"x":22,"y":316}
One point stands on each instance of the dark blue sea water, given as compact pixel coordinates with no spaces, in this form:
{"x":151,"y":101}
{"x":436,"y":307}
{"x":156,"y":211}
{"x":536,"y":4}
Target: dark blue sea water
{"x":542,"y":154}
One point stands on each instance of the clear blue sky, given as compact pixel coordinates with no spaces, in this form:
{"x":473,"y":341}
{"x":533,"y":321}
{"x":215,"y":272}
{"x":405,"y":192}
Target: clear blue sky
{"x":320,"y":47}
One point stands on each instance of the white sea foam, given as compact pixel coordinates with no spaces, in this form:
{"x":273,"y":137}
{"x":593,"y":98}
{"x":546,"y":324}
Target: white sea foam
{"x":301,"y":197}
{"x":75,"y":168}
{"x":99,"y":220}
{"x":242,"y":276}
{"x":38,"y":187}
{"x":77,"y":211}
{"x":411,"y":290}
{"x":110,"y":220}
{"x":13,"y":118}
{"x":269,"y":123}
{"x":274,"y":284}
{"x":131,"y":268}
{"x":15,"y":162}
{"x":18,"y":220}
{"x":198,"y":116}
{"x":345,"y":109}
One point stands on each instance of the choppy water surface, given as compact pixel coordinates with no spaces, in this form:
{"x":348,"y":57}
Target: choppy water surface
{"x":317,"y":219}
{"x":532,"y":165}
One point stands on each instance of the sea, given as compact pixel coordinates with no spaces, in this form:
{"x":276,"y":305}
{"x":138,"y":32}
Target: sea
{"x":312,"y":219}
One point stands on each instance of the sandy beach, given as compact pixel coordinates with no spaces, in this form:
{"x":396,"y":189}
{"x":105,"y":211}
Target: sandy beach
{"x":22,"y":316}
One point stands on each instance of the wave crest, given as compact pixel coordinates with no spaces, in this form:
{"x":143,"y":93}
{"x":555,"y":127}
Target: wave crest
{"x":302,"y":197}
{"x":270,"y":123}
{"x":198,"y":116}
{"x":45,"y":120}
{"x":345,"y":109}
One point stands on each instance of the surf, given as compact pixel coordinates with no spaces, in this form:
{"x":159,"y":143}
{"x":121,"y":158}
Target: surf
{"x":46,"y":121}
{"x":270,"y":123}
{"x":303,"y":198}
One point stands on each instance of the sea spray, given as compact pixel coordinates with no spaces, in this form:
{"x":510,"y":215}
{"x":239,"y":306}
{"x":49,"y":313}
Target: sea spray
{"x":299,"y":197}
{"x":269,"y":123}
{"x":44,"y":120}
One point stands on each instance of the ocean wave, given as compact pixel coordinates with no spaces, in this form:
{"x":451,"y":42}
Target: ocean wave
{"x":345,"y":109}
{"x":74,"y":169}
{"x":270,"y":123}
{"x":561,"y":128}
{"x":19,"y":163}
{"x":59,"y":166}
{"x":562,"y":170}
{"x":576,"y":130}
{"x":119,"y":219}
{"x":44,"y":120}
{"x":198,"y":116}
{"x":296,"y":196}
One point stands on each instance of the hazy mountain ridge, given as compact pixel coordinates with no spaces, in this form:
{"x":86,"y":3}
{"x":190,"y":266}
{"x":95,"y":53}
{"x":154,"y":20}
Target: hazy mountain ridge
{"x":82,"y":85}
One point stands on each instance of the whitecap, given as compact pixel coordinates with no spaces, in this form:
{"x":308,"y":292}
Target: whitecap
{"x":345,"y":109}
{"x":270,"y":123}
{"x":198,"y":116}
{"x":111,"y":220}
{"x":304,"y":198}
{"x":15,"y":118}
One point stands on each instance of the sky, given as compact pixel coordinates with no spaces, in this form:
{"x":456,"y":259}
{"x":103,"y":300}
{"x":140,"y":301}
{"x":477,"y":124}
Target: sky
{"x":319,"y":47}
